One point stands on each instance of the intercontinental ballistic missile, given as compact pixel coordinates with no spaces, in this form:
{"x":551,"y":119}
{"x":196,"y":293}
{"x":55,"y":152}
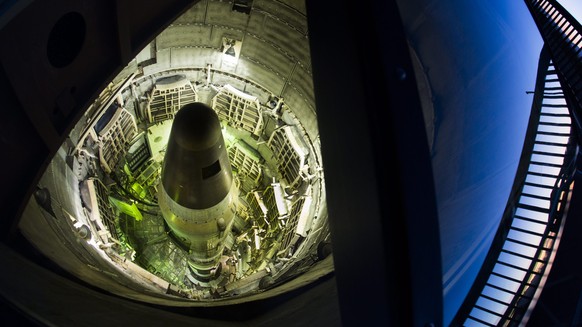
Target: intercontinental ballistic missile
{"x":196,"y":195}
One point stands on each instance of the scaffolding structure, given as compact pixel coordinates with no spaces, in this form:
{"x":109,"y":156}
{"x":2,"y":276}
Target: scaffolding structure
{"x":246,"y":162}
{"x":115,"y":137}
{"x":238,"y":109}
{"x":168,"y":96}
{"x":291,"y":154}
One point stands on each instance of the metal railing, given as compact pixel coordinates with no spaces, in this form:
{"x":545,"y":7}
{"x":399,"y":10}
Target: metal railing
{"x":517,"y":265}
{"x":562,"y":35}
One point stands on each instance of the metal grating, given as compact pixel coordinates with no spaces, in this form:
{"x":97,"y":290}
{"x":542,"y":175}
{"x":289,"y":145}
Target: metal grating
{"x":166,"y":260}
{"x":138,"y":153}
{"x":277,"y":211}
{"x":168,"y":96}
{"x":115,"y":138}
{"x":258,"y":208}
{"x":147,"y":180}
{"x":102,"y":219}
{"x":247,"y":163}
{"x":291,"y":154}
{"x":298,"y":223}
{"x":238,"y":109}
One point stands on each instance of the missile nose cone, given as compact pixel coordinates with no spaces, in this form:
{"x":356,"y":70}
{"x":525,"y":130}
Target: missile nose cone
{"x":196,"y":172}
{"x":196,"y":127}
